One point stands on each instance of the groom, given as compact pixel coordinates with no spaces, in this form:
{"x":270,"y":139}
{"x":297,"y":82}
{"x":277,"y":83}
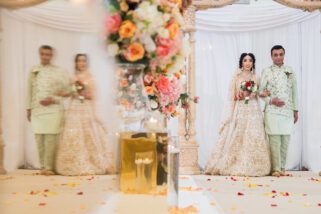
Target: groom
{"x":281,"y":109}
{"x":45,"y":108}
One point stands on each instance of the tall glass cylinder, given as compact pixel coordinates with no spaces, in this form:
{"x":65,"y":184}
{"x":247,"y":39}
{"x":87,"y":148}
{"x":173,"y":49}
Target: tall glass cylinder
{"x":173,"y":171}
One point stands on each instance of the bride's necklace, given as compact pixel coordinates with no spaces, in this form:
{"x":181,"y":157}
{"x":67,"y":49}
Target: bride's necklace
{"x":247,"y":76}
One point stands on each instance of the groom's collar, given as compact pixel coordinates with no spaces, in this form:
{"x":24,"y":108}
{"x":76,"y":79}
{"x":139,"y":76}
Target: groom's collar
{"x":276,"y":66}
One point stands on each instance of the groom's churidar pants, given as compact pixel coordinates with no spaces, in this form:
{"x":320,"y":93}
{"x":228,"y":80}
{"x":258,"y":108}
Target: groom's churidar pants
{"x":279,"y":147}
{"x":47,"y":150}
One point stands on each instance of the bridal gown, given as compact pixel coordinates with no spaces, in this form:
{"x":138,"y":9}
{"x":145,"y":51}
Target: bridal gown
{"x":242,"y":148}
{"x":83,"y":147}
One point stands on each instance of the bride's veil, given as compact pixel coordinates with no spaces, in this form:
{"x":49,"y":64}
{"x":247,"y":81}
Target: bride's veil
{"x":230,"y":103}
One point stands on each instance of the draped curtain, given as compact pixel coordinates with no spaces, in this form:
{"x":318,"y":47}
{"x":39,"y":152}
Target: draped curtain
{"x":224,"y":33}
{"x":18,"y":3}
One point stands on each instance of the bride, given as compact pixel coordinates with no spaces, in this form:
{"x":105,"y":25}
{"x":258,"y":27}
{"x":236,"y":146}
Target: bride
{"x":242,"y":148}
{"x":82,"y":148}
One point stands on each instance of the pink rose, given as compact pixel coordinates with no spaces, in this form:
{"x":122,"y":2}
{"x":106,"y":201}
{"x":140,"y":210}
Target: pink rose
{"x":148,"y":79}
{"x":162,"y":51}
{"x":113,"y":23}
{"x":164,"y":41}
{"x":163,"y":84}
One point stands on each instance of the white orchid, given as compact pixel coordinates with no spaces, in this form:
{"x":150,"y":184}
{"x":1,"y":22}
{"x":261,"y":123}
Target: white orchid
{"x":113,"y":49}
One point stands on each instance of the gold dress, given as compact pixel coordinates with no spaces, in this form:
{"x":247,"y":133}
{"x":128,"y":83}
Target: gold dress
{"x":242,"y":148}
{"x":83,"y":148}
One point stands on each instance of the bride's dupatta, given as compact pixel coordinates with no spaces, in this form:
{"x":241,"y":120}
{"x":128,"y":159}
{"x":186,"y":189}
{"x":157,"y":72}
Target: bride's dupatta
{"x":231,"y":106}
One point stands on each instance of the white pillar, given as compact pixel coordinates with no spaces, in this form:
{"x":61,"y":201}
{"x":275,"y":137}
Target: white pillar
{"x":187,"y":133}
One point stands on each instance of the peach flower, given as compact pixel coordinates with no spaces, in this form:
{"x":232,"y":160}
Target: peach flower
{"x":173,"y":29}
{"x":134,"y":52}
{"x":127,"y":29}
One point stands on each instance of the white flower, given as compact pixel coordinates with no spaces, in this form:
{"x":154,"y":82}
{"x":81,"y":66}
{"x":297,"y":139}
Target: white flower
{"x":148,"y":42}
{"x":133,"y":87}
{"x":178,"y":64}
{"x":178,"y":16}
{"x":112,"y":49}
{"x":183,"y":79}
{"x":249,"y":88}
{"x":163,"y":32}
{"x":153,"y":104}
{"x":254,"y":89}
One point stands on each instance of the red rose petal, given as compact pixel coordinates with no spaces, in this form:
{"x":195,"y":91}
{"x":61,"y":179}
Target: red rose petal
{"x":208,"y":179}
{"x":273,"y":191}
{"x":240,"y":194}
{"x":80,"y":193}
{"x":274,"y":205}
{"x":319,"y":204}
{"x":42,"y":204}
{"x":46,"y":190}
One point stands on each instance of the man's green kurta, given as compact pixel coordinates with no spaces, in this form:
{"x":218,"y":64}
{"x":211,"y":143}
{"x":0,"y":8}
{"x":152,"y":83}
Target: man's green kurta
{"x":46,"y":81}
{"x":281,"y":83}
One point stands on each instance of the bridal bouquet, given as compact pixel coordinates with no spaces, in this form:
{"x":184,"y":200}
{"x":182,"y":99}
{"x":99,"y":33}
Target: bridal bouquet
{"x":78,"y":87}
{"x":249,"y":86}
{"x":150,"y":32}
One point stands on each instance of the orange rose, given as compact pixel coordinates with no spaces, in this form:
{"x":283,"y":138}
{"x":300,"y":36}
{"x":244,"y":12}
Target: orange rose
{"x":127,"y":29}
{"x":178,"y":75}
{"x":149,"y":90}
{"x":124,"y":103}
{"x":173,"y":29}
{"x":134,"y":52}
{"x":123,"y":83}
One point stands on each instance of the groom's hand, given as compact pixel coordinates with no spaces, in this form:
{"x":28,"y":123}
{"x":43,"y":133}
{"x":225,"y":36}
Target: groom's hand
{"x":296,"y":116}
{"x":277,"y":102}
{"x":48,"y":101}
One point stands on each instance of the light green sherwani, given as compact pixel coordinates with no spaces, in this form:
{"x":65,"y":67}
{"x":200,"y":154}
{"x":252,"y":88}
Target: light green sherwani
{"x":279,"y":121}
{"x":46,"y":81}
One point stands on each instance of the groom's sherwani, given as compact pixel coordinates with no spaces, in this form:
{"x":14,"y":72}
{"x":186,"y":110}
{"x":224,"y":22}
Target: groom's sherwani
{"x":46,"y":81}
{"x":279,"y":121}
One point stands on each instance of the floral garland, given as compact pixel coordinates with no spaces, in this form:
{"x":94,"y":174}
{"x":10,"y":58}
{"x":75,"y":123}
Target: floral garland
{"x":150,"y":32}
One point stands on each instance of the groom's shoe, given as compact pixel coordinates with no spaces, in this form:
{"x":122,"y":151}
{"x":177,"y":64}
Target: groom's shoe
{"x":48,"y":173}
{"x":276,"y":174}
{"x":283,"y":173}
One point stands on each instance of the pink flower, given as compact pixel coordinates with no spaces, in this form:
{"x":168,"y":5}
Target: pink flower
{"x":162,"y":51}
{"x":164,"y":41}
{"x":113,"y":23}
{"x":169,"y":90}
{"x":163,"y":84}
{"x":148,"y":79}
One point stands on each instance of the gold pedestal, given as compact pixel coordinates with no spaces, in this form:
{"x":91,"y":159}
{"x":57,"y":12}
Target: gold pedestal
{"x":143,"y":162}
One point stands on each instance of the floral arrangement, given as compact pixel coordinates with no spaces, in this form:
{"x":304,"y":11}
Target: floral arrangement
{"x":78,"y":87}
{"x":249,"y":86}
{"x":150,"y":32}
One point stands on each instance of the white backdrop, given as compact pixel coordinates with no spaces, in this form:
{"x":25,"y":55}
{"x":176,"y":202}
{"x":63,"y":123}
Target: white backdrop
{"x":224,"y":33}
{"x":222,"y":36}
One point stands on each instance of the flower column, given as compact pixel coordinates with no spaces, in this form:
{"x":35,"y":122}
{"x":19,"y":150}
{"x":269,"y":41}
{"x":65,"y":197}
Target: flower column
{"x":2,"y":170}
{"x":189,"y":146}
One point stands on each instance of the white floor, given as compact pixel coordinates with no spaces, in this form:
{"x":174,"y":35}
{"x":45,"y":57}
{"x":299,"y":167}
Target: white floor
{"x":26,"y":192}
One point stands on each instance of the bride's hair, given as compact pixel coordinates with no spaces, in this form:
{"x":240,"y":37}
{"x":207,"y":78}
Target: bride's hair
{"x":77,"y":58}
{"x":243,"y":55}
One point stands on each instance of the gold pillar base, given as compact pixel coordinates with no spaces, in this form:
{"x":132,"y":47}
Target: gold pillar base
{"x":188,"y":158}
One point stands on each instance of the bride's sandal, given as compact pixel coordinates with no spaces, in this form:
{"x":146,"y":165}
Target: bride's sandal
{"x":276,"y":174}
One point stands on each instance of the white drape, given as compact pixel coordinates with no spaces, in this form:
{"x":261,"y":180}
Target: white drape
{"x":67,"y":28}
{"x":223,"y":34}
